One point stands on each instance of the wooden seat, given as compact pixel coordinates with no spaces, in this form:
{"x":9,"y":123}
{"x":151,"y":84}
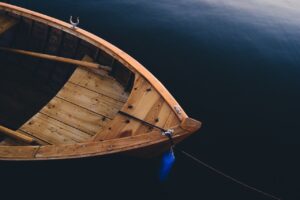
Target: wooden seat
{"x":6,"y":23}
{"x":85,"y":104}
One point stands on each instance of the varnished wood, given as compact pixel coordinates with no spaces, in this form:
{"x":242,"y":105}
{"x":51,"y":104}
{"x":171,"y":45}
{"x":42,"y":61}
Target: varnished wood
{"x":90,"y":100}
{"x":70,"y":123}
{"x":144,"y":103}
{"x":191,"y":124}
{"x":6,"y":23}
{"x":143,"y":142}
{"x":99,"y":83}
{"x":53,"y":131}
{"x":17,"y":135}
{"x":109,"y":48}
{"x":74,"y":116}
{"x":77,"y":112}
{"x":57,"y":58}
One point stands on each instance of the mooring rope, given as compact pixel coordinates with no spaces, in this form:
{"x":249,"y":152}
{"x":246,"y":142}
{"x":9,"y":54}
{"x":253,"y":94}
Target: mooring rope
{"x":226,"y":176}
{"x":169,"y":135}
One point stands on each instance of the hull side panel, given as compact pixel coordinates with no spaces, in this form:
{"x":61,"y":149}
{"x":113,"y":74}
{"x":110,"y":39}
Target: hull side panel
{"x":85,"y":113}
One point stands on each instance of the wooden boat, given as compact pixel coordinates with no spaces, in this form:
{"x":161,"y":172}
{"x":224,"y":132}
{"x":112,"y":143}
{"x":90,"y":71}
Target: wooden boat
{"x":66,"y":93}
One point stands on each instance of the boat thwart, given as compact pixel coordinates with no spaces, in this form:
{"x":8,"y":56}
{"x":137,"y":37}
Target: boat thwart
{"x":66,"y":93}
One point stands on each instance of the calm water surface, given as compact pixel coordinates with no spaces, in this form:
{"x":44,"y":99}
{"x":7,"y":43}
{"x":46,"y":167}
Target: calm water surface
{"x":235,"y":65}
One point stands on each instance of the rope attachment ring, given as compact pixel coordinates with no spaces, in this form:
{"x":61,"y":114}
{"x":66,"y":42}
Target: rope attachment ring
{"x":169,"y":133}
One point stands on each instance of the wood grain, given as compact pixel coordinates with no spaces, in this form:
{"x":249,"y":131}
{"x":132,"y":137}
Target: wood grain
{"x":74,"y":116}
{"x":6,"y":23}
{"x":110,"y":49}
{"x":148,"y":100}
{"x":144,"y":103}
{"x":89,"y":65}
{"x":90,"y":100}
{"x":77,"y":112}
{"x":101,"y":84}
{"x":53,"y":131}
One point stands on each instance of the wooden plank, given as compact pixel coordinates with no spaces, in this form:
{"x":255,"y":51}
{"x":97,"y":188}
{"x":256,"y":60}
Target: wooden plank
{"x":172,"y":121}
{"x":140,"y":86}
{"x":18,"y":152}
{"x":113,"y":129}
{"x":53,"y":131}
{"x":38,"y":37}
{"x":140,"y":103}
{"x":158,"y":116}
{"x":6,"y":23}
{"x":75,"y":109}
{"x":90,"y":100}
{"x":54,"y":41}
{"x":40,"y":142}
{"x":140,"y":109}
{"x":144,"y":103}
{"x":75,"y":116}
{"x":10,"y":142}
{"x":97,"y":83}
{"x":138,"y":142}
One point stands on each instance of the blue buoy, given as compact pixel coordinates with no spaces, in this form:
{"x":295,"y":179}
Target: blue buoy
{"x":168,"y":160}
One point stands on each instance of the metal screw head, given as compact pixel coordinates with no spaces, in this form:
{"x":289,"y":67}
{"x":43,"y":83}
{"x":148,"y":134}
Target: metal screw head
{"x":177,"y":109}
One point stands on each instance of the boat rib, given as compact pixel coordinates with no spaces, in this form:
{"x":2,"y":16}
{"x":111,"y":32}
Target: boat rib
{"x":66,"y":89}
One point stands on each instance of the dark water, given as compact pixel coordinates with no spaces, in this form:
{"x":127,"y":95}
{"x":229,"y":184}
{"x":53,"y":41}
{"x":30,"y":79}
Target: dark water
{"x":235,"y":65}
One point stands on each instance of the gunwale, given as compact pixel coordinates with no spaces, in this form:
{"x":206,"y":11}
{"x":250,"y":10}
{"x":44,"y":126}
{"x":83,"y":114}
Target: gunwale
{"x":98,"y":147}
{"x":109,"y":48}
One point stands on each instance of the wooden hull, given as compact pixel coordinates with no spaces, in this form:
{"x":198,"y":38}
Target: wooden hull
{"x":85,"y":116}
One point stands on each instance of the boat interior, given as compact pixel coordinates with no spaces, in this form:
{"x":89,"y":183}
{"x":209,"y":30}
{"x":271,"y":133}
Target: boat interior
{"x":50,"y":101}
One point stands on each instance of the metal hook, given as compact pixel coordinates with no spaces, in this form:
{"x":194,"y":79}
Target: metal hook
{"x":169,"y":133}
{"x":74,"y":24}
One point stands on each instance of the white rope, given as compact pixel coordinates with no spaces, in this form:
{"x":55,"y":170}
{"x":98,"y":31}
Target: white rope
{"x":227,"y":176}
